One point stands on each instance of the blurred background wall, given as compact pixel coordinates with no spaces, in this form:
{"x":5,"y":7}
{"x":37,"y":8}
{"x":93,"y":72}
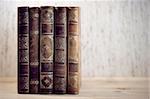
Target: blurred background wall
{"x":114,"y":36}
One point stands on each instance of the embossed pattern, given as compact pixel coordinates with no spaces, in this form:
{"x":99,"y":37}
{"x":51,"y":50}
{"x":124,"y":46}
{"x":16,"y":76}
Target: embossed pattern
{"x":23,"y":50}
{"x":73,"y":50}
{"x":34,"y":49}
{"x":46,"y":49}
{"x":60,"y":67}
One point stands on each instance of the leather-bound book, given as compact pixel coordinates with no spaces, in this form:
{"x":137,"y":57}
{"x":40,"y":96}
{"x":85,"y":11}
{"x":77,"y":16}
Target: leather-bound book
{"x":60,"y":60}
{"x":46,"y":49}
{"x":34,"y":49}
{"x":23,"y":50}
{"x":73,"y":22}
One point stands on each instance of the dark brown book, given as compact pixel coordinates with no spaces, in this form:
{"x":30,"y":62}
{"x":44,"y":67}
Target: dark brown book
{"x":46,"y":49}
{"x":34,"y":49}
{"x":73,"y":50}
{"x":23,"y":50}
{"x":60,"y":67}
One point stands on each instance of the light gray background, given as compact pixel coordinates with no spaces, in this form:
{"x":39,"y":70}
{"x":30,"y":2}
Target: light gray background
{"x":114,"y":36}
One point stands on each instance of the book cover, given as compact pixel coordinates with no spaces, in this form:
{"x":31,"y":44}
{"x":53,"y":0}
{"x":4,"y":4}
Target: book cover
{"x":23,"y":50}
{"x":73,"y":50}
{"x":34,"y":49}
{"x":60,"y":67}
{"x":46,"y":49}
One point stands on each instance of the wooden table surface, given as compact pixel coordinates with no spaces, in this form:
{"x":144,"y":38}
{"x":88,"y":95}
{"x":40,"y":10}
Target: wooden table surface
{"x":92,"y":88}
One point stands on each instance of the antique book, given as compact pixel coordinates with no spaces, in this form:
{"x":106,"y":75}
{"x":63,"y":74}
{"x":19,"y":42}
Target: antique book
{"x":46,"y":49}
{"x":34,"y":49}
{"x":23,"y":50}
{"x":60,"y":56}
{"x":73,"y":30}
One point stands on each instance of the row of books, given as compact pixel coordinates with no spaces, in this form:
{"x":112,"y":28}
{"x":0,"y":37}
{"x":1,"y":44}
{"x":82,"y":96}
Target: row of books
{"x":48,"y":49}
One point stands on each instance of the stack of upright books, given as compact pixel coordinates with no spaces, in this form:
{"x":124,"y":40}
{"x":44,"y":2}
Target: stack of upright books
{"x":48,"y":50}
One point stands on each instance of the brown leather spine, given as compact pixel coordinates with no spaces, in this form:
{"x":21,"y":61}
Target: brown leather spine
{"x":60,"y":68}
{"x":73,"y":50}
{"x":23,"y":50}
{"x":46,"y":49}
{"x":34,"y":49}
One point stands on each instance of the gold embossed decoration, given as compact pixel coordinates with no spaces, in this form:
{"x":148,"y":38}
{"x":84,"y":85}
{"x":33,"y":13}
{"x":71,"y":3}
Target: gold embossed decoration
{"x":34,"y":47}
{"x":61,"y":15}
{"x":46,"y":81}
{"x":73,"y":15}
{"x":73,"y":81}
{"x":23,"y":56}
{"x":47,"y":15}
{"x":73,"y":49}
{"x":46,"y":47}
{"x":60,"y":83}
{"x":60,"y":56}
{"x":23,"y":44}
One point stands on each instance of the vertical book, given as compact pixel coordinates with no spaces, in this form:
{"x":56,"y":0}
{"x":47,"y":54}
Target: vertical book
{"x":34,"y":49}
{"x":73,"y":50}
{"x":46,"y":49}
{"x":60,"y":67}
{"x":23,"y":50}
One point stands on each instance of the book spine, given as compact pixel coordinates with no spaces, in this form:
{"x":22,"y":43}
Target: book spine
{"x":73,"y":50}
{"x":34,"y":49}
{"x":60,"y":67}
{"x":46,"y":49}
{"x":23,"y":50}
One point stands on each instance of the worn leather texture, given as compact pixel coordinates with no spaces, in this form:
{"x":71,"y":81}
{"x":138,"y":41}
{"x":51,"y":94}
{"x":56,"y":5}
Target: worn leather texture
{"x":34,"y":13}
{"x":23,"y":50}
{"x":60,"y":68}
{"x":73,"y":50}
{"x":46,"y":49}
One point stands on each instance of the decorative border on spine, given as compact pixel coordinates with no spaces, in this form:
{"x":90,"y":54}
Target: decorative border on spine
{"x":73,"y":50}
{"x":34,"y":49}
{"x":46,"y":49}
{"x":23,"y":49}
{"x":60,"y":67}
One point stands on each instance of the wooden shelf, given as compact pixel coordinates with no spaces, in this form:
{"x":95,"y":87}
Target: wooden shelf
{"x":92,"y":88}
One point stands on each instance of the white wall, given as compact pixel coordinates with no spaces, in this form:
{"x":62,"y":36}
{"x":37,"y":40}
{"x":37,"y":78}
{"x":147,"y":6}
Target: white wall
{"x":114,"y":36}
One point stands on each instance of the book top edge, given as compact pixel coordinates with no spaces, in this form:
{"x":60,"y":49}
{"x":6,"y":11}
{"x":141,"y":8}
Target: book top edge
{"x":23,"y":7}
{"x":34,"y":7}
{"x":45,"y":7}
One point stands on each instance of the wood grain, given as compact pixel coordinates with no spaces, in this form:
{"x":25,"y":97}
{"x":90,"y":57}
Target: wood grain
{"x":114,"y":36}
{"x":92,"y":88}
